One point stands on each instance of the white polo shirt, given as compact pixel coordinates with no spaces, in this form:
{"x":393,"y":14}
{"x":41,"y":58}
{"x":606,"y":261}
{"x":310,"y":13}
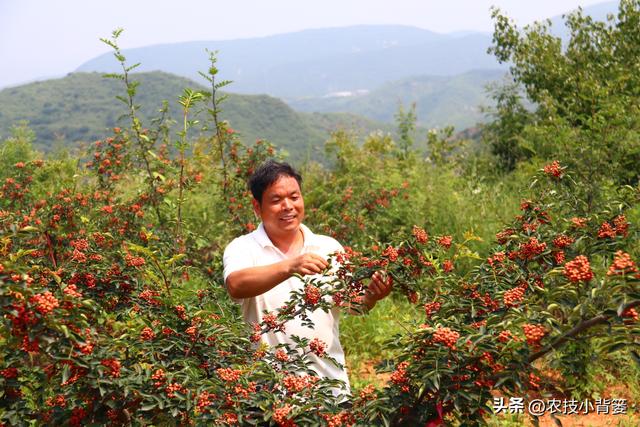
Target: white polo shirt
{"x":255,"y":249}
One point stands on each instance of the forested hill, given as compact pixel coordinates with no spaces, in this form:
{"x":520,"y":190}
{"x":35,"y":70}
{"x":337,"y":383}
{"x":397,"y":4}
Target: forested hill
{"x":440,"y":100}
{"x":82,"y":106}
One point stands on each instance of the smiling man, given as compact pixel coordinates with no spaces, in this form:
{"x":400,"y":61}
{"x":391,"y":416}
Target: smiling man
{"x":259,"y":267}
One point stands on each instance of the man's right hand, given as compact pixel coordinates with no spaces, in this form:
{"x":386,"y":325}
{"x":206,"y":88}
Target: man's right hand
{"x":254,"y":281}
{"x":307,"y":264}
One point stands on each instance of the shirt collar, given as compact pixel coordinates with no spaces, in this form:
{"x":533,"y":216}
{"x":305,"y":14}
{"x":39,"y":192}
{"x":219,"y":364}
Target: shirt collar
{"x":260,"y":235}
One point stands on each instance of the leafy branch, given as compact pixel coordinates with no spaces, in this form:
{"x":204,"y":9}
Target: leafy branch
{"x":214,"y":111}
{"x":188,"y":99}
{"x":144,"y":142}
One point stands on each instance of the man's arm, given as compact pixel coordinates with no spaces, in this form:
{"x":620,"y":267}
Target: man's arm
{"x":254,"y":281}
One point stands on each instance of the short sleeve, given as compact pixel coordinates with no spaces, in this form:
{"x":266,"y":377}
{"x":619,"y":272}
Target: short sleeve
{"x":236,"y":257}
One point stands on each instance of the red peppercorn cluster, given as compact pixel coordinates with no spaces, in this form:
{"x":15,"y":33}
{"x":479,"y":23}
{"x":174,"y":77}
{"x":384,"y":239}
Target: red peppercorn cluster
{"x":431,"y":308}
{"x":606,"y":231}
{"x":72,"y":291}
{"x":503,"y":236}
{"x":180,"y":312}
{"x":534,"y":381}
{"x":58,"y":401}
{"x":505,"y":336}
{"x":77,"y":415}
{"x":318,"y":347}
{"x":282,"y":355}
{"x":134,"y":261}
{"x":530,"y":227}
{"x":149,"y":296}
{"x":295,"y":384}
{"x":559,"y":257}
{"x":446,"y":336}
{"x":391,"y":253}
{"x":45,"y":302}
{"x":159,"y":377}
{"x":562,"y":241}
{"x":80,"y":244}
{"x":491,"y":304}
{"x":447,"y":266}
{"x":203,"y":400}
{"x":621,"y":225}
{"x":147,"y":334}
{"x":488,"y":359}
{"x":368,"y":392}
{"x":496,"y":259}
{"x":79,"y":256}
{"x":339,"y":420}
{"x":86,"y":348}
{"x":530,"y":249}
{"x":479,"y":324}
{"x":420,"y":235}
{"x":114,"y":367}
{"x":281,"y":414}
{"x":192,"y":331}
{"x":513,"y":297}
{"x":533,"y":333}
{"x":9,"y":373}
{"x":631,"y":313}
{"x":578,"y":270}
{"x":270,"y":320}
{"x":399,"y":376}
{"x":229,"y":374}
{"x":257,"y":333}
{"x":172,"y":388}
{"x":243,"y":392}
{"x":445,"y":241}
{"x":578,"y":222}
{"x":553,"y":170}
{"x":228,"y":418}
{"x":622,"y":264}
{"x":311,"y":295}
{"x":77,"y":372}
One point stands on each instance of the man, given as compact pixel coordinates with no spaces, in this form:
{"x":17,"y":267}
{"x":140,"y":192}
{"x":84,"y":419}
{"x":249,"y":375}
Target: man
{"x":259,"y":266}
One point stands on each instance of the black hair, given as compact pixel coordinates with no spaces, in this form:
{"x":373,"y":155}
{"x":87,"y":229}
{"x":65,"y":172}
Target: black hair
{"x":268,"y":173}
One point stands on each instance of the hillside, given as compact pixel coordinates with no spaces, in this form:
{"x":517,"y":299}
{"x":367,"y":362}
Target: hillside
{"x":440,"y":100}
{"x":317,"y":62}
{"x":82,"y":106}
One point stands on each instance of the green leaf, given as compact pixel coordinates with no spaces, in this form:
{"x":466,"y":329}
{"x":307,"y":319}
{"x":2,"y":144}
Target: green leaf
{"x":66,"y":373}
{"x":636,"y":357}
{"x":148,"y":406}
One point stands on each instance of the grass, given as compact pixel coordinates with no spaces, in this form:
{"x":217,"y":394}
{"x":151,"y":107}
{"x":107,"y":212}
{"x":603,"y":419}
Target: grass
{"x":363,"y":337}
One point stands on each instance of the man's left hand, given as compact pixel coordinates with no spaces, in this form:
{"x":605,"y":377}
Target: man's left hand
{"x":379,"y":288}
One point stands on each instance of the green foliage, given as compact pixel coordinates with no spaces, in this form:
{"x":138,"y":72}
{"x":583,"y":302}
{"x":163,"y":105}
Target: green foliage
{"x":585,"y":93}
{"x":17,"y":148}
{"x":504,"y":133}
{"x":406,"y":126}
{"x":443,"y":147}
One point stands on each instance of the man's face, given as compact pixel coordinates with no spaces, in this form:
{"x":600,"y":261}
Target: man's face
{"x":282,"y":207}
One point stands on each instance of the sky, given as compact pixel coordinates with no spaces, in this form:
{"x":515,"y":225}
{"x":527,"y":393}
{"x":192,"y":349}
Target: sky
{"x":43,"y":38}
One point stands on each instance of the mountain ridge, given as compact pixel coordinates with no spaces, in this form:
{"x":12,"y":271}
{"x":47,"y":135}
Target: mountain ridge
{"x":81,"y":107}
